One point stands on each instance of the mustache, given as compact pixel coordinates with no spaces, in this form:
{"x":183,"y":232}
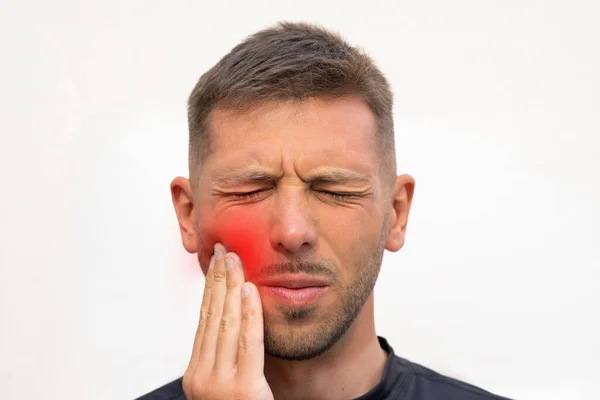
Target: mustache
{"x":307,"y":267}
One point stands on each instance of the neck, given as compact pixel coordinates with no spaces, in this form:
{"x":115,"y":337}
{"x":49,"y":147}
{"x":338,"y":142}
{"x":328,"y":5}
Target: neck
{"x":351,"y":368}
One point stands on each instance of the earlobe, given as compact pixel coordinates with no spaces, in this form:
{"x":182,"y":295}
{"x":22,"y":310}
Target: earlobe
{"x":183,"y":202}
{"x":402,"y":195}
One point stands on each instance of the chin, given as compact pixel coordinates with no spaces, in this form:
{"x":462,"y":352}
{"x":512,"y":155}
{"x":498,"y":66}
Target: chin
{"x":294,"y":345}
{"x":304,"y":337}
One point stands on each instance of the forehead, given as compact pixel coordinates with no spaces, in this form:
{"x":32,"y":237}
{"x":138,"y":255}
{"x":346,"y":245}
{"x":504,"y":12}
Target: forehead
{"x":310,"y":133}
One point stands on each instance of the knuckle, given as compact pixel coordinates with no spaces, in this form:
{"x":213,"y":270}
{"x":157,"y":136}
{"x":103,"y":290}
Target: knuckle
{"x":196,"y":383}
{"x":210,"y":314}
{"x":248,"y":315}
{"x":189,"y":384}
{"x":219,"y":276}
{"x":226,"y":324}
{"x":245,"y":342}
{"x":203,"y":317}
{"x":232,"y":287}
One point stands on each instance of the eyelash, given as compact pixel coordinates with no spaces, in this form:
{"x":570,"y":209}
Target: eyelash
{"x":335,"y":196}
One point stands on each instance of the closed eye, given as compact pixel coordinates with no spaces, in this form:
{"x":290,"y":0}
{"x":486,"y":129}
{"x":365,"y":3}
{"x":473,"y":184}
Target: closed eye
{"x":338,"y":196}
{"x":249,"y":195}
{"x":333,"y":195}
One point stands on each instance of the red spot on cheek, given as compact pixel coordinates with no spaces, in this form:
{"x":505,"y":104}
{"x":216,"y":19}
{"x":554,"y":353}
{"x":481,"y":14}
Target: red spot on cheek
{"x":241,"y":233}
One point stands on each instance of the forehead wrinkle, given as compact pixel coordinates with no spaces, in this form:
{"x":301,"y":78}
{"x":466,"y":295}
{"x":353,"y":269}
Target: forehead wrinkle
{"x":260,"y":174}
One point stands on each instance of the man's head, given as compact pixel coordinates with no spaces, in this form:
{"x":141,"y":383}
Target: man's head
{"x":292,"y":167}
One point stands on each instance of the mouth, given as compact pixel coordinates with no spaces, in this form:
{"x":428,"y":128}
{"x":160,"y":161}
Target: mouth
{"x":296,"y":298}
{"x":294,"y":291}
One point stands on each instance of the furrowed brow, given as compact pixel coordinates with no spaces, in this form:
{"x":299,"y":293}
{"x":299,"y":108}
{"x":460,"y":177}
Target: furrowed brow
{"x":338,"y":176}
{"x":245,"y":177}
{"x":325,"y":176}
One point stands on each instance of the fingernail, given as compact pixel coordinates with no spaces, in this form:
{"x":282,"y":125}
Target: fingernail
{"x":245,"y":291}
{"x":218,"y":253}
{"x":229,"y":263}
{"x":212,"y":263}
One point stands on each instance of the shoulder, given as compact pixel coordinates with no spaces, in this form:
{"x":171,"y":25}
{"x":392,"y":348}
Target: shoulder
{"x":170,"y":391}
{"x":428,"y":384}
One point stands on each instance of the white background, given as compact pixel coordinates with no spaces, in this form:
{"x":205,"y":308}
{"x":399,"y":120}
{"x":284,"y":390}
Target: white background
{"x":497,"y":119}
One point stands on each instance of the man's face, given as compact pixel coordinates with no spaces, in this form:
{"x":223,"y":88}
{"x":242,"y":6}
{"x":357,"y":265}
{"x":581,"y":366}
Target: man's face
{"x":295,"y":188}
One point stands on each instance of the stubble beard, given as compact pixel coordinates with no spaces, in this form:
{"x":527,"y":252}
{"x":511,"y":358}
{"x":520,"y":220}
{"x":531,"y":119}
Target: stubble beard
{"x":304,"y":344}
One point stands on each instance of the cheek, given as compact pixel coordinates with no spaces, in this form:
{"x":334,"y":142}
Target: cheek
{"x":352,"y":239}
{"x":241,"y":232}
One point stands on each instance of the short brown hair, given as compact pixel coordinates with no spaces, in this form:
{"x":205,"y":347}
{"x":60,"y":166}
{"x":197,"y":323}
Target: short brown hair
{"x":290,"y":61}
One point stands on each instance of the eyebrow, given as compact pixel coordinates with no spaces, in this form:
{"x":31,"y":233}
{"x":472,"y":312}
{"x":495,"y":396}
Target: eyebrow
{"x":322,"y":175}
{"x":246,"y":176}
{"x":337,"y":175}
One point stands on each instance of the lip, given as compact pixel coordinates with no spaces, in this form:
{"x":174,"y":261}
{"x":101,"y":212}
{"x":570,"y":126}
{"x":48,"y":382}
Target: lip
{"x":293,"y":281}
{"x":296,"y":298}
{"x":294,"y":290}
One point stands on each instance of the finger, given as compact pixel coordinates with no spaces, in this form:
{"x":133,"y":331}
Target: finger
{"x":251,"y":348}
{"x":229,"y":329}
{"x":203,"y":313}
{"x":208,"y":347}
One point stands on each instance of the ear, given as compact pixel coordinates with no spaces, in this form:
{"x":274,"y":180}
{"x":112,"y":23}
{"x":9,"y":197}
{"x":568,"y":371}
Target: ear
{"x":402,"y":195}
{"x":183,"y":201}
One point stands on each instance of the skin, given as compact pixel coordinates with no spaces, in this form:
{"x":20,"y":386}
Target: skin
{"x":291,"y":223}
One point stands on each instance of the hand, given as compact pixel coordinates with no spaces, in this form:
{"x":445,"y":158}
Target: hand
{"x":227,"y":361}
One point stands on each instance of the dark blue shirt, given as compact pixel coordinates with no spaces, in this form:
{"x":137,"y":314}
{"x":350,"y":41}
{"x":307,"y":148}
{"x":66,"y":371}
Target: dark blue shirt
{"x":401,"y":380}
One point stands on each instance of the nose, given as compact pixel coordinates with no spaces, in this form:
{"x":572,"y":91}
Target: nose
{"x":292,"y":225}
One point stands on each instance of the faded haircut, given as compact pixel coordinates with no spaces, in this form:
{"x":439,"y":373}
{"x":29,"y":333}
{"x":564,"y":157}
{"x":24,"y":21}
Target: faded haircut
{"x":290,"y":62}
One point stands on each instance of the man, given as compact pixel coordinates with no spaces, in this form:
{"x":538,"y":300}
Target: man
{"x":292,"y":199}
